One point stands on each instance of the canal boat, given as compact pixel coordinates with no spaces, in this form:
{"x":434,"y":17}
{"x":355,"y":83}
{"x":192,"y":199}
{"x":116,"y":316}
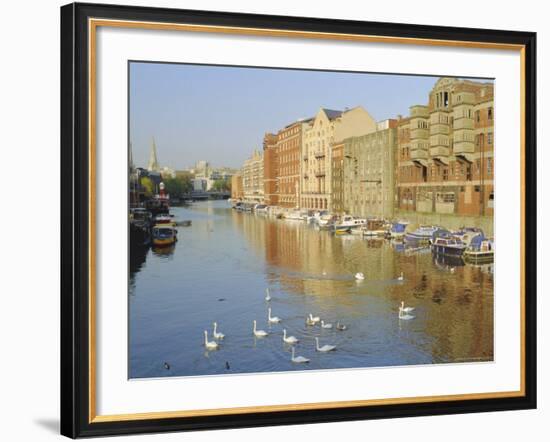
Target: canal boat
{"x":374,"y":228}
{"x":423,"y":234}
{"x":398,"y":228}
{"x":140,"y":226}
{"x":327,"y":221}
{"x":164,"y":235}
{"x":348,"y":223}
{"x":294,"y":215}
{"x":164,"y":218}
{"x":466,"y":234}
{"x":447,"y":244}
{"x":480,"y":251}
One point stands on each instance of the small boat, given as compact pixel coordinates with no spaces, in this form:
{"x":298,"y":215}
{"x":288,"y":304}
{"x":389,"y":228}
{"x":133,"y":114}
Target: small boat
{"x":294,"y":215}
{"x":347,"y":223}
{"x":261,"y":209}
{"x":466,"y":234}
{"x":326,"y":221}
{"x":164,"y":218}
{"x":374,"y":228}
{"x":448,"y":245}
{"x":164,"y":235}
{"x":480,"y":251}
{"x":398,"y":228}
{"x":423,"y":234}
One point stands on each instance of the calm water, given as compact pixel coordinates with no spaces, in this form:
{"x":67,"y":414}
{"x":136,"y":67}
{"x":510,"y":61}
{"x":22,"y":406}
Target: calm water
{"x":221,"y":265}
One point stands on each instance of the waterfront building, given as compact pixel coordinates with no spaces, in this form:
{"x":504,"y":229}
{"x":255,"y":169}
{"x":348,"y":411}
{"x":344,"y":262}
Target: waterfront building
{"x":366,"y":172}
{"x":237,"y":187}
{"x":253,"y":178}
{"x":271,"y":169}
{"x":445,"y":156}
{"x":289,"y":146}
{"x":326,"y":129}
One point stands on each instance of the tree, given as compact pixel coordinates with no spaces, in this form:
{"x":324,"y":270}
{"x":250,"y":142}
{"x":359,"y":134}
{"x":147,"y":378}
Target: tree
{"x":221,"y":186}
{"x":178,"y":186}
{"x":148,"y":186}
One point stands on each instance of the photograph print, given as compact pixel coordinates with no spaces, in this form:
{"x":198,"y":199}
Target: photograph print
{"x":287,"y":219}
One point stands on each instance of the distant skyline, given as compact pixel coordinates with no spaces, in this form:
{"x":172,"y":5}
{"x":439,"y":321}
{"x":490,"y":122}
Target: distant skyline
{"x":220,"y":114}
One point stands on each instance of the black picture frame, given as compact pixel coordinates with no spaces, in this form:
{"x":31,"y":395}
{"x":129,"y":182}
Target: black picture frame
{"x":75,"y":220}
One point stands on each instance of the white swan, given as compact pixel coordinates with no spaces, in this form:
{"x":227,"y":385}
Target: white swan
{"x":309,"y":321}
{"x":216,"y":334}
{"x":404,"y":309}
{"x":289,"y":339}
{"x":325,"y":325}
{"x":359,"y":276}
{"x":272,"y":319}
{"x":267,"y":295}
{"x":341,"y":327}
{"x":210,"y":345}
{"x":259,"y":333}
{"x":314,"y":319}
{"x":298,"y":359}
{"x":400,"y":277}
{"x":325,"y":347}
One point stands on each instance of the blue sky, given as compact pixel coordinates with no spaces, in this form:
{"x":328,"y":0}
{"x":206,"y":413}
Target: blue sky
{"x":220,"y":114}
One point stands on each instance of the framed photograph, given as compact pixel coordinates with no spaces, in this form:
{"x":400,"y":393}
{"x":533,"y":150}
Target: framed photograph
{"x":273,"y":220}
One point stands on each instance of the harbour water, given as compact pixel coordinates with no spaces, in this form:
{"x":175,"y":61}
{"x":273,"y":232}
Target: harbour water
{"x":222,"y":264}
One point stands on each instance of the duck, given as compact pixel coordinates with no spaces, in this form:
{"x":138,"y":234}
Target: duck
{"x":325,"y":325}
{"x":167,"y":366}
{"x":216,"y":334}
{"x":298,"y":359}
{"x":267,"y":295}
{"x":210,"y":345}
{"x":400,"y":277}
{"x":272,"y":319}
{"x":341,"y":327}
{"x":359,"y":276}
{"x":289,"y":339}
{"x":325,"y":348}
{"x":259,"y":333}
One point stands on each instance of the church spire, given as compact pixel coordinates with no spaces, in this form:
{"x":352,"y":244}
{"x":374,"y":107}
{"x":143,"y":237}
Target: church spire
{"x":153,"y":165}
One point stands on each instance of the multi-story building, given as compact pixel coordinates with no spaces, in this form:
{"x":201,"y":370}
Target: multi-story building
{"x":271,"y":169}
{"x":253,"y":178}
{"x":237,"y":187}
{"x":327,"y":128}
{"x":368,"y":172}
{"x":445,"y":156}
{"x":338,"y":178}
{"x":289,"y":146}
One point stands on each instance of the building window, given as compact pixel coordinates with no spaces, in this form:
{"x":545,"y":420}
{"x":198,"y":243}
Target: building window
{"x":445,"y":174}
{"x":490,"y":138}
{"x":478,"y":117}
{"x":489,"y":165}
{"x":490,"y":113}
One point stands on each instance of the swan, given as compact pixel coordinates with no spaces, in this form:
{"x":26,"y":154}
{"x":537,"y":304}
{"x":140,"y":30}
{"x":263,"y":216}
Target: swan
{"x":359,"y":276}
{"x":405,"y":316}
{"x":289,"y":339}
{"x":267,"y":295}
{"x":210,"y":345}
{"x":298,"y":359}
{"x":272,"y":319}
{"x":325,"y":347}
{"x":400,"y":277}
{"x":323,"y":325}
{"x":404,"y":309}
{"x":309,"y":321}
{"x":341,"y":327}
{"x":452,"y":269}
{"x":216,"y":334}
{"x":259,"y":333}
{"x":314,"y":319}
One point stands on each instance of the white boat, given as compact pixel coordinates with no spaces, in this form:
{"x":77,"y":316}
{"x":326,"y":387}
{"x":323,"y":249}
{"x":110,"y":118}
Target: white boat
{"x":294,"y":214}
{"x":423,"y":234}
{"x":398,"y":228}
{"x":326,"y":221}
{"x":261,"y":209}
{"x":480,"y":251}
{"x":348,"y":223}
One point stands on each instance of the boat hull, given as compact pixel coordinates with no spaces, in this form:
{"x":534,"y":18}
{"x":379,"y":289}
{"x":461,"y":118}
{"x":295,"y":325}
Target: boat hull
{"x":447,"y":250}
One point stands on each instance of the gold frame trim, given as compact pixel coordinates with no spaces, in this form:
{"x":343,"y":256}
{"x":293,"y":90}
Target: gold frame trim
{"x":93,"y":24}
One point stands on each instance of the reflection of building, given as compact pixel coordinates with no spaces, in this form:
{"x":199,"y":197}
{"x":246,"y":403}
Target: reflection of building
{"x":367,"y":170}
{"x":237,"y":186}
{"x":253,"y":177}
{"x":271,"y":169}
{"x":445,"y":155}
{"x":328,"y":127}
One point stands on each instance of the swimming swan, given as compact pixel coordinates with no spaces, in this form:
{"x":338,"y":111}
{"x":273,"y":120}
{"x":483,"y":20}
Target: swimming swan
{"x":314,"y":319}
{"x":325,"y":347}
{"x":259,"y":333}
{"x":298,"y":359}
{"x":210,"y":345}
{"x":272,"y":319}
{"x":404,"y":309}
{"x":359,"y":276}
{"x":216,"y":334}
{"x":323,"y":325}
{"x":341,"y":327}
{"x":289,"y":339}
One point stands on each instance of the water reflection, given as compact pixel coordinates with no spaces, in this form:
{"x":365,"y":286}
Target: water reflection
{"x":219,"y":270}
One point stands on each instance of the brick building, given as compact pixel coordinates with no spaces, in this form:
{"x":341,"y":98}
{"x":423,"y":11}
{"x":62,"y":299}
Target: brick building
{"x":271,"y":170}
{"x":445,"y":159}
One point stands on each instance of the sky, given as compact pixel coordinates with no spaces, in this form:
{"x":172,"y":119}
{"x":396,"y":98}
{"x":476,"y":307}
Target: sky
{"x":220,"y":114}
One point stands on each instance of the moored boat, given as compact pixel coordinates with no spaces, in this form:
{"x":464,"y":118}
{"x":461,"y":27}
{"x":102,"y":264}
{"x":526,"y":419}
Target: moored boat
{"x":164,"y":235}
{"x":480,"y":251}
{"x":398,"y":228}
{"x":423,"y":234}
{"x":448,"y":245}
{"x":374,"y":228}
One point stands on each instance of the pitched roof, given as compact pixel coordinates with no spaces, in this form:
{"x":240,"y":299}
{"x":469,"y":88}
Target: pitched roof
{"x":332,"y":114}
